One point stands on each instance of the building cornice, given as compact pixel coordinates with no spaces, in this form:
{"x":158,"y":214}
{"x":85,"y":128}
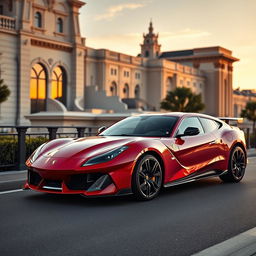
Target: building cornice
{"x":52,"y":41}
{"x":38,"y":6}
{"x":76,"y":3}
{"x":206,"y":58}
{"x":51,"y":45}
{"x":61,"y":13}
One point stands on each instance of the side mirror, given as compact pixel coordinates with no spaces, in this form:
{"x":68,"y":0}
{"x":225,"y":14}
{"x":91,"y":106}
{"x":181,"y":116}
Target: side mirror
{"x":101,"y":129}
{"x":190,"y":131}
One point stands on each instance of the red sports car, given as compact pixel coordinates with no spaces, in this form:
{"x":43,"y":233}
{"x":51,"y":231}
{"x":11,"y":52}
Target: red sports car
{"x":139,"y":155}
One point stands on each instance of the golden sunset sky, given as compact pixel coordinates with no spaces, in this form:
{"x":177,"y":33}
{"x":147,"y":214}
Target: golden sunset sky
{"x":182,"y":24}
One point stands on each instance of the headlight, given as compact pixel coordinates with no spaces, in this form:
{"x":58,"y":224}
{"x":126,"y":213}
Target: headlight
{"x":34,"y":156}
{"x":105,"y":157}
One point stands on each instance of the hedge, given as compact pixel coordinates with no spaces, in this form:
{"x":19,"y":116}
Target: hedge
{"x":9,"y":148}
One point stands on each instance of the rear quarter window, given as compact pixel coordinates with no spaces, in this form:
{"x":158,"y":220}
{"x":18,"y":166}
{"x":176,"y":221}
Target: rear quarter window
{"x":209,"y":125}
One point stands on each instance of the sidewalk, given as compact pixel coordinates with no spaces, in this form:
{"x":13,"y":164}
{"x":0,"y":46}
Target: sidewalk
{"x":12,"y":180}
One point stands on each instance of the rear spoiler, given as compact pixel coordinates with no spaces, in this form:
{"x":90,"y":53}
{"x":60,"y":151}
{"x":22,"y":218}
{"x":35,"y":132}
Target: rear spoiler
{"x":232,"y":120}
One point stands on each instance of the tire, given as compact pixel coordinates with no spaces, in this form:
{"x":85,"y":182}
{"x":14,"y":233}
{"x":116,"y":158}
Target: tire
{"x":147,"y":178}
{"x":236,"y":166}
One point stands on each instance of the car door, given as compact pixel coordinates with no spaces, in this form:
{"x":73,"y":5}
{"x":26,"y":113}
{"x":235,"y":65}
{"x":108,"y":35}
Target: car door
{"x":193,"y":152}
{"x":218,"y":146}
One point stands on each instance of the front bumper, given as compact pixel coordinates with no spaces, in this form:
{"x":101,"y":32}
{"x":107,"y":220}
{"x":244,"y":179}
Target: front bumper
{"x":95,"y":183}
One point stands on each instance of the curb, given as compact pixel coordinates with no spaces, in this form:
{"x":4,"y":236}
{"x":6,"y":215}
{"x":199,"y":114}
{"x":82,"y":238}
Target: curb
{"x":243,"y":244}
{"x":10,"y":180}
{"x":12,"y":184}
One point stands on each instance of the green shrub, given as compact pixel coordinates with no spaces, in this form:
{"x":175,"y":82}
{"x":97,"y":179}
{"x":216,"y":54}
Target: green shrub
{"x":9,"y":148}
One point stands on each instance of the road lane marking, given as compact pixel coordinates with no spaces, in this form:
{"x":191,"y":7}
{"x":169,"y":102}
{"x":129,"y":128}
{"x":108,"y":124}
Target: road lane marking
{"x":11,"y":191}
{"x":242,"y":244}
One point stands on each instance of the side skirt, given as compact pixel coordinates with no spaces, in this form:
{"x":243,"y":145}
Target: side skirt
{"x":195,"y":176}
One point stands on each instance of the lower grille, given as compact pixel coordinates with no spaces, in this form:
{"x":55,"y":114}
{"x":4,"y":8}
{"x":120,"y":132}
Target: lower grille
{"x":34,"y":178}
{"x":82,"y":181}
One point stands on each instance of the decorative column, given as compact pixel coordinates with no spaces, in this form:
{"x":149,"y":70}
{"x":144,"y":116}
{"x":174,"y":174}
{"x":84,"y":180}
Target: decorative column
{"x":218,"y":100}
{"x":78,"y":54}
{"x":230,"y":84}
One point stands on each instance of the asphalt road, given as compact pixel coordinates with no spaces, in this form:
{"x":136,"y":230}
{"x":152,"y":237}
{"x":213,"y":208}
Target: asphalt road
{"x":181,"y":221}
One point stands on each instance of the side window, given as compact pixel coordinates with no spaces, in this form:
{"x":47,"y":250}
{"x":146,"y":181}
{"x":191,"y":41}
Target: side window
{"x":209,"y":125}
{"x":38,"y":20}
{"x":190,"y":122}
{"x":59,"y":25}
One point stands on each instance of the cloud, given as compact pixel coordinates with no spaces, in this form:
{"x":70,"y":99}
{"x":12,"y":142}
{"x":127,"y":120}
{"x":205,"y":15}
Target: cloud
{"x":192,"y":33}
{"x":117,"y":10}
{"x":129,"y":43}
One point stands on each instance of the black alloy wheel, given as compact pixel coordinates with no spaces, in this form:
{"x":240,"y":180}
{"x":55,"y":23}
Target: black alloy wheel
{"x":147,"y":178}
{"x":236,"y":166}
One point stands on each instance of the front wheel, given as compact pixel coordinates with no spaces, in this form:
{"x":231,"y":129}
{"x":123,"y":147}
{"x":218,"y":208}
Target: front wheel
{"x":147,"y":178}
{"x":236,"y":166}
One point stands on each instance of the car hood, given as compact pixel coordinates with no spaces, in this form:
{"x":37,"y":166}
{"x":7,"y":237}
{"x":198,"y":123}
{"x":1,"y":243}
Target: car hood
{"x":87,"y":147}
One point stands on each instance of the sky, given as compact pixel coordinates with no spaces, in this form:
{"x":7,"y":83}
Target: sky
{"x":182,"y":24}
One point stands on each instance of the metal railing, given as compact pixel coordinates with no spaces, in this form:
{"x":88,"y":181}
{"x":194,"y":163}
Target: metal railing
{"x":18,"y":142}
{"x":7,"y":22}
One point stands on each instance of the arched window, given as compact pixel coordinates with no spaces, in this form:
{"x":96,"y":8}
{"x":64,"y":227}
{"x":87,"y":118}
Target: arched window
{"x":169,"y":84}
{"x":59,"y":25}
{"x":147,"y":54}
{"x":59,"y":84}
{"x":126,"y":91}
{"x":38,"y":88}
{"x":137,"y":92}
{"x":113,"y":89}
{"x":38,"y":20}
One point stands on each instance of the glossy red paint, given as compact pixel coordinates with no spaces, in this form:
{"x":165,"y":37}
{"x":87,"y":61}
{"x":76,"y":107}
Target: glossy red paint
{"x":59,"y":160}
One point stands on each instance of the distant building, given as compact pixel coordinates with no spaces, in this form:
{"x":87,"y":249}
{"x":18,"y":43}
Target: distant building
{"x":216,"y":63}
{"x":241,"y":97}
{"x":52,"y":73}
{"x":139,"y":81}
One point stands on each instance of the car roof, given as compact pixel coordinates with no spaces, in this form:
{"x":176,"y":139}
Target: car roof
{"x":180,"y":114}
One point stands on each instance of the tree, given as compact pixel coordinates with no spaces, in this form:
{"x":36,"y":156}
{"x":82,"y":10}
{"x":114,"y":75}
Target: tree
{"x":4,"y":91}
{"x":250,"y":113}
{"x":182,"y":99}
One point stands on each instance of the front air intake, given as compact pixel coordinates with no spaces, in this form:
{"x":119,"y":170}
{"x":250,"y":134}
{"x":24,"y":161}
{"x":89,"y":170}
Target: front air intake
{"x":88,"y":181}
{"x":34,"y":178}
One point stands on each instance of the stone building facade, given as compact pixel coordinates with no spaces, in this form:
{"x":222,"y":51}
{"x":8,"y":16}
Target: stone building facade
{"x":41,"y":50}
{"x":49,"y":68}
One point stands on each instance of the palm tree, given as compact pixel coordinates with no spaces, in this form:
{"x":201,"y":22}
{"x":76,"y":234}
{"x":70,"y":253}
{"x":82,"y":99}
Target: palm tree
{"x":250,"y":113}
{"x":182,"y":99}
{"x":4,"y":91}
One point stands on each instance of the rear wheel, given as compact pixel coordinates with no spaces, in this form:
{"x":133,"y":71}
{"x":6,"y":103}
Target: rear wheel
{"x":147,"y":178}
{"x":236,"y":166}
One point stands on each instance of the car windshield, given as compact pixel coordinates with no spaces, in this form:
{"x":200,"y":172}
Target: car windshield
{"x":143,"y":126}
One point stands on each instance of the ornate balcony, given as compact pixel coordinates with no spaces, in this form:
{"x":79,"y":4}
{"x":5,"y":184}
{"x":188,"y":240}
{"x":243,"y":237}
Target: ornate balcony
{"x":8,"y":23}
